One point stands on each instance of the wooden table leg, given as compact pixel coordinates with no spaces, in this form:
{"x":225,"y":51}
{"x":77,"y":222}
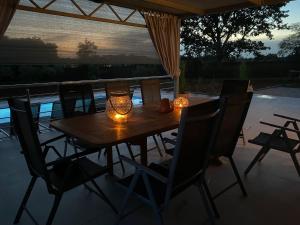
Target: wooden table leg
{"x":110,"y":163}
{"x":142,"y":142}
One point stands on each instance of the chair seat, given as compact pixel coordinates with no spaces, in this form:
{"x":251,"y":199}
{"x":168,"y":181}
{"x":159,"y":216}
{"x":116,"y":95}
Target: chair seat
{"x":277,"y":142}
{"x":70,"y":174}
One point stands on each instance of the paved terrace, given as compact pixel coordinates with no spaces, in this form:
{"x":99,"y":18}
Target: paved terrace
{"x":273,"y":187}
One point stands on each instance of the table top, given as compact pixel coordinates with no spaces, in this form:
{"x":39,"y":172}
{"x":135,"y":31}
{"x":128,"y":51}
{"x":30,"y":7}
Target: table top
{"x":98,"y":130}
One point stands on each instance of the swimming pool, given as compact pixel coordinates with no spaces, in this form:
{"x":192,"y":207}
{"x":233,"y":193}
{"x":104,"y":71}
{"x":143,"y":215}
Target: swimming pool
{"x":46,"y":109}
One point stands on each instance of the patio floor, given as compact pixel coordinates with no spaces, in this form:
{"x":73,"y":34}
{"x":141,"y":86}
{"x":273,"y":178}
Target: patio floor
{"x":273,"y":186}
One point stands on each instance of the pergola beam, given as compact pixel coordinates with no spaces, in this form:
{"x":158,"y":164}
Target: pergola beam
{"x":83,"y":16}
{"x":265,"y":2}
{"x":182,"y":6}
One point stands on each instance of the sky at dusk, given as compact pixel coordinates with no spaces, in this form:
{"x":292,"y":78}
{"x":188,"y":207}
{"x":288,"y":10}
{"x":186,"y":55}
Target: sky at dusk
{"x":111,"y":39}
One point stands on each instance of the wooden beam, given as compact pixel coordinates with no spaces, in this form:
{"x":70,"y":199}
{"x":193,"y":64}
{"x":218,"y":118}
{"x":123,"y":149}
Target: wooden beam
{"x":246,"y":4}
{"x":180,"y":6}
{"x":77,"y":16}
{"x":266,"y":2}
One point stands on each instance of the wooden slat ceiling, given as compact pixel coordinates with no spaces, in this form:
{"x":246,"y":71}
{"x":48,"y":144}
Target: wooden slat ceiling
{"x":188,"y":7}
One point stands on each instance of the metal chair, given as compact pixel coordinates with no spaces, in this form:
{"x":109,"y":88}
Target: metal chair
{"x":60,"y":175}
{"x":235,"y":87}
{"x":35,"y":110}
{"x":76,"y":100}
{"x":150,"y":90}
{"x":157,"y":184}
{"x":278,"y":140}
{"x":56,"y":112}
{"x":235,"y":112}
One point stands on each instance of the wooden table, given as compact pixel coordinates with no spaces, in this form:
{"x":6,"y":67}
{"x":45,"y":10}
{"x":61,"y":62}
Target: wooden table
{"x":100,"y":131}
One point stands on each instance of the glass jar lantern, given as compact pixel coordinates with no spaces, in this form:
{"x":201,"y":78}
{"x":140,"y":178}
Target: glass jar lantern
{"x":181,"y":102}
{"x":119,"y":106}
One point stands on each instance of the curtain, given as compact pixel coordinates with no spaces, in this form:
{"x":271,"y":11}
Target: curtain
{"x":7,"y":11}
{"x":164,"y":30}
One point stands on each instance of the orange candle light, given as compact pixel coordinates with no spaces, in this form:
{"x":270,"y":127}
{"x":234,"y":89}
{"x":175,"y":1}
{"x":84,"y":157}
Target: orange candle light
{"x":181,"y":102}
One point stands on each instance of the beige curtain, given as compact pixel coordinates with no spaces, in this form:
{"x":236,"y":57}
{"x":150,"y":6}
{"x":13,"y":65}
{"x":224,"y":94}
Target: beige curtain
{"x":7,"y":11}
{"x":164,"y":30}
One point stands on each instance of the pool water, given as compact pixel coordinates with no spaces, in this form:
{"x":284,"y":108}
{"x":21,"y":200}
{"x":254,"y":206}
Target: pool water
{"x":46,"y":109}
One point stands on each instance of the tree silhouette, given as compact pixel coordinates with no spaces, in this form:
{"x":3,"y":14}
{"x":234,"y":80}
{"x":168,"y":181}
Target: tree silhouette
{"x":27,"y":51}
{"x":87,"y":50}
{"x":230,"y":34}
{"x":291,"y":44}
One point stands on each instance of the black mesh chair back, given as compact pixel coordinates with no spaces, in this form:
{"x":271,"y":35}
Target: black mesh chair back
{"x":76,"y":99}
{"x":196,"y":136}
{"x":232,"y":87}
{"x":60,"y":175}
{"x":150,"y":91}
{"x":56,"y":112}
{"x":26,"y":131}
{"x":35,"y":112}
{"x":121,"y":86}
{"x":235,"y":112}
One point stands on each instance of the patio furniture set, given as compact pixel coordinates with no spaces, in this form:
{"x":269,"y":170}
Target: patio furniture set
{"x":208,"y":127}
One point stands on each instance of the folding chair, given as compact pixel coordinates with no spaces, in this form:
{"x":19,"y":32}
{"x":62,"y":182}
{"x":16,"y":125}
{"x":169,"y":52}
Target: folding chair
{"x":150,"y":90}
{"x":278,"y":140}
{"x":235,"y":112}
{"x":60,"y":175}
{"x":157,"y":184}
{"x":235,"y":87}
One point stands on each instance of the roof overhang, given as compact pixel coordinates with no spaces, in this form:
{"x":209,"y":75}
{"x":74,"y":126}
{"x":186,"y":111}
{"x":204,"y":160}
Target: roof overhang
{"x":189,"y":7}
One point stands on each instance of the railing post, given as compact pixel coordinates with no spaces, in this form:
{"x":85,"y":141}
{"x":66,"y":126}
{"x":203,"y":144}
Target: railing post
{"x":176,"y":86}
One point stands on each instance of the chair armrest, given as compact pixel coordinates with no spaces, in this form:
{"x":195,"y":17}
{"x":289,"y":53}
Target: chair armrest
{"x":145,"y":169}
{"x":68,"y":158}
{"x":169,"y":141}
{"x":280,"y":127}
{"x":53,"y":139}
{"x":287,"y":117}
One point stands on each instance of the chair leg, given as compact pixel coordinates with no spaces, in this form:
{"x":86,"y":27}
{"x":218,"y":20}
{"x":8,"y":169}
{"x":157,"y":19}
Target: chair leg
{"x":243,"y":136}
{"x":296,"y":163}
{"x":25,"y":199}
{"x":157,"y":146}
{"x":54,"y":209}
{"x":56,"y":151}
{"x":121,"y":161}
{"x":155,"y":207}
{"x":99,"y":154}
{"x":163,"y":142}
{"x":210,"y":198}
{"x":237,"y":175}
{"x":206,"y":204}
{"x":127,"y":196}
{"x":256,"y":158}
{"x":104,"y":197}
{"x":130,"y":151}
{"x":263,"y":156}
{"x":66,"y":147}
